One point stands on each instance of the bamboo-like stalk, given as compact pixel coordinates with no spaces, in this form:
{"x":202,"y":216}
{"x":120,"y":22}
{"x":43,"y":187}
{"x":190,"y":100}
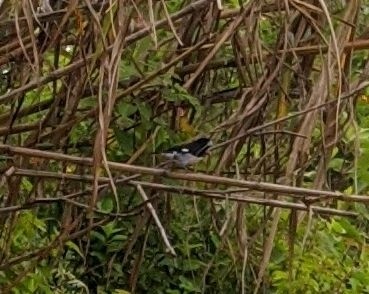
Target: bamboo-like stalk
{"x":219,"y":195}
{"x":200,"y":50}
{"x":197,"y":177}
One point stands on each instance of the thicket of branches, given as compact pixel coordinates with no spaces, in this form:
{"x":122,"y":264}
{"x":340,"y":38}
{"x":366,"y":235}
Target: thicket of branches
{"x":90,"y":89}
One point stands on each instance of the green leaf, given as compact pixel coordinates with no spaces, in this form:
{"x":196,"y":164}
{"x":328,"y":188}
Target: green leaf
{"x":188,"y":285}
{"x":101,"y":257}
{"x":126,"y":109}
{"x":126,"y":70}
{"x":161,"y":137}
{"x":98,"y":236}
{"x":215,"y":239}
{"x":114,"y":246}
{"x":145,"y":111}
{"x":26,"y":185}
{"x":337,"y":227}
{"x":109,"y":229}
{"x":125,"y":141}
{"x":119,"y":238}
{"x":191,"y":265}
{"x":179,"y":94}
{"x":106,"y":204}
{"x":75,"y":248}
{"x":336,"y":164}
{"x":351,"y":231}
{"x":280,"y":275}
{"x":361,"y":276}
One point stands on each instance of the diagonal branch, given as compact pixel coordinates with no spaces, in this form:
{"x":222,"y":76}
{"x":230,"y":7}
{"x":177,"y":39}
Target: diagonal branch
{"x":156,"y":219}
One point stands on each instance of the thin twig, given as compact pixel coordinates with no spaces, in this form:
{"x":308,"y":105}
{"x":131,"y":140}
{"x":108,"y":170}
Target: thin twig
{"x":157,"y":220}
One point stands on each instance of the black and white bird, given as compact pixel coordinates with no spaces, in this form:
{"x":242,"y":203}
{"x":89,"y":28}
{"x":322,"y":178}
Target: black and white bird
{"x":189,"y":153}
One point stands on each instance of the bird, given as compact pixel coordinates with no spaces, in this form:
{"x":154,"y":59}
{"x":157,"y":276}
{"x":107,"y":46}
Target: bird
{"x":188,"y":154}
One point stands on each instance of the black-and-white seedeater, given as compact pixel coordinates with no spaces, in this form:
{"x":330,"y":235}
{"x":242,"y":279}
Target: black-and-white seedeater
{"x":188,"y":154}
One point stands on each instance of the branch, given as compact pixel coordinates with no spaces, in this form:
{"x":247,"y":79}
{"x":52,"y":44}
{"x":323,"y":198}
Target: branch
{"x":219,"y":195}
{"x":156,"y":219}
{"x":196,"y":177}
{"x":301,"y":51}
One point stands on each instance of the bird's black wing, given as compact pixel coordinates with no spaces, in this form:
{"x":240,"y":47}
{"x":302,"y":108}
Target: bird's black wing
{"x":198,"y":147}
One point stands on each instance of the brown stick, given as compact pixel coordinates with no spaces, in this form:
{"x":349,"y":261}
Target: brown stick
{"x":210,"y":194}
{"x":258,"y":186}
{"x":304,"y":50}
{"x":156,"y":219}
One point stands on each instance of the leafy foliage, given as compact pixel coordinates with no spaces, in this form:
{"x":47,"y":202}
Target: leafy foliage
{"x":52,"y":242}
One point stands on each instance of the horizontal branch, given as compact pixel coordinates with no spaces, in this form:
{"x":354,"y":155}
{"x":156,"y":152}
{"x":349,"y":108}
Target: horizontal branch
{"x":58,"y":14}
{"x":195,"y":177}
{"x":304,"y":50}
{"x":228,"y":195}
{"x":35,"y":83}
{"x":222,"y":195}
{"x":46,"y":201}
{"x":45,"y":104}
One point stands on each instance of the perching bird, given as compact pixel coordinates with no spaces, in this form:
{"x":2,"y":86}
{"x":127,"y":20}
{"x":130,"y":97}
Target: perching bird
{"x":188,"y":154}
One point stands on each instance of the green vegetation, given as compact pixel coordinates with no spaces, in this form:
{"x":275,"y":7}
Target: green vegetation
{"x":94,"y":82}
